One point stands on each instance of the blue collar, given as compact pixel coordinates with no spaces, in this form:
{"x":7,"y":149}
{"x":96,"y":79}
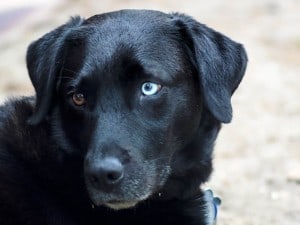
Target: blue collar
{"x":213,"y":204}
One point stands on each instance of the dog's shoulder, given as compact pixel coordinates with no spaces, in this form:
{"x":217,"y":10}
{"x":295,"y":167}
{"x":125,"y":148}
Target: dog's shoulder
{"x":18,"y":140}
{"x":13,"y":118}
{"x":16,"y":109}
{"x":18,"y":152}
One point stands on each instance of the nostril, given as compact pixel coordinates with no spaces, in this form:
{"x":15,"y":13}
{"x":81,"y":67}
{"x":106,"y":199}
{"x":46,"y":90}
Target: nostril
{"x":114,"y":176}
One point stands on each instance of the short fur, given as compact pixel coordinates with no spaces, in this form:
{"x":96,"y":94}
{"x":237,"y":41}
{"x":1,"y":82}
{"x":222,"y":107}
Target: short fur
{"x":149,"y":152}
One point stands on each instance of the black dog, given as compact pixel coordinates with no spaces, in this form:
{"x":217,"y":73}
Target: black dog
{"x":128,"y":106}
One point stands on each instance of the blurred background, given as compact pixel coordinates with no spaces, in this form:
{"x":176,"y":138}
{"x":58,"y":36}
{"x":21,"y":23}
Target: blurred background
{"x":257,"y":156}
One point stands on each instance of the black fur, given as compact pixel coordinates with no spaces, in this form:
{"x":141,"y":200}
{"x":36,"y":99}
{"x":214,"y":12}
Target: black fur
{"x":63,"y":164}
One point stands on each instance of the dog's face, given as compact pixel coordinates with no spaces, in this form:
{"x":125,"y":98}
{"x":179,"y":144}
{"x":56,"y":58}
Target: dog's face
{"x":127,"y":91}
{"x":129,"y":106}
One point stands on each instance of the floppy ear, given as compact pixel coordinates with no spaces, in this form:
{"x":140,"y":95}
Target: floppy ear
{"x":44,"y":63}
{"x":221,"y":64}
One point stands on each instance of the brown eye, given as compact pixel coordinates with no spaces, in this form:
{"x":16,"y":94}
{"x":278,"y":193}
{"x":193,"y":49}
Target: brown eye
{"x":78,"y":99}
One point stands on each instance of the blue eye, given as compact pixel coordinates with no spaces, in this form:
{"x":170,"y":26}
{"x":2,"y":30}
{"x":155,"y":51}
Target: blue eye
{"x":149,"y":88}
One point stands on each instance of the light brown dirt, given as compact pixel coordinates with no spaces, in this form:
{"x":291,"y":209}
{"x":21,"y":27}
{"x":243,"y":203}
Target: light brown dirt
{"x":257,"y":156}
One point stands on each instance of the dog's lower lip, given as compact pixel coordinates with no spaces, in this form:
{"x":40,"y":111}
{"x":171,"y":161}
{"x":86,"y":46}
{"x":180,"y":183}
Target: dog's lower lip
{"x":117,"y":205}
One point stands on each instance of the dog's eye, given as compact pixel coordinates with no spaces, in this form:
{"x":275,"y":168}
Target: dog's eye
{"x":149,"y":88}
{"x":78,"y":99}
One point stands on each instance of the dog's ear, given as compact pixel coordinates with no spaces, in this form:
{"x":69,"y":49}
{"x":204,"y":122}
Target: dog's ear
{"x":44,"y":63}
{"x":221,"y":64}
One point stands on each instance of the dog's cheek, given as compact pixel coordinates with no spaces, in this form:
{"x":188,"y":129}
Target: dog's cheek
{"x":76,"y":129}
{"x":160,"y":161}
{"x":186,"y":113}
{"x":186,"y":122}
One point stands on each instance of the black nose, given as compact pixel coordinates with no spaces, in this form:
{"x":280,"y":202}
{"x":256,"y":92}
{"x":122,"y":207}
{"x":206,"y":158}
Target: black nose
{"x":105,"y":174}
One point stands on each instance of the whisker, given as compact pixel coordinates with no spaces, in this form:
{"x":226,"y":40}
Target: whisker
{"x":66,"y":77}
{"x":68,"y":70}
{"x":88,"y":64}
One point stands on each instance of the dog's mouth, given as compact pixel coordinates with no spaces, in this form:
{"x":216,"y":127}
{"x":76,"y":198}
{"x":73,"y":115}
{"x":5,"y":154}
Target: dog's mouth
{"x":117,"y":205}
{"x":119,"y":186}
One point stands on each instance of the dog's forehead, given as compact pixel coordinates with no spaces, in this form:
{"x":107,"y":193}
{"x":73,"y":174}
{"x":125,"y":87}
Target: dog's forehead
{"x":147,"y":37}
{"x":133,"y":28}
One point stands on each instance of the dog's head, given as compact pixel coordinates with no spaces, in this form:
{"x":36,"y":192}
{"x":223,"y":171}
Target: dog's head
{"x":140,"y":96}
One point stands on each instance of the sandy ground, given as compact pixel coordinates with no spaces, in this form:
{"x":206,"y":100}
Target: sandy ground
{"x":257,"y":156}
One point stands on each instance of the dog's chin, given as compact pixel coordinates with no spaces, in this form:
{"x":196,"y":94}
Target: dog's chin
{"x":121,"y":205}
